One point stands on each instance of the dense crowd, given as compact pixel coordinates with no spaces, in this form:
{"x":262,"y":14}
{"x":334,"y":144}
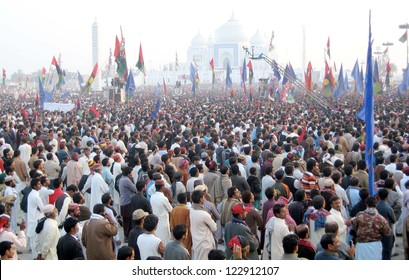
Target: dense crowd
{"x":264,"y":178}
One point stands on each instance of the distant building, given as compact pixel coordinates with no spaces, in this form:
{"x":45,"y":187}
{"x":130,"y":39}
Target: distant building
{"x":96,"y":85}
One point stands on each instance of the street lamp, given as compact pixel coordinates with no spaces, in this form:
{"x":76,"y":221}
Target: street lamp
{"x":406,"y":26}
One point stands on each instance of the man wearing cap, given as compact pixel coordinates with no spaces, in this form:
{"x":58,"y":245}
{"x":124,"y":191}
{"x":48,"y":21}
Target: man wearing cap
{"x":238,"y":226}
{"x":12,"y":208}
{"x":138,"y":216}
{"x":6,"y":234}
{"x":47,"y":234}
{"x":98,"y":186}
{"x":202,"y":228}
{"x":161,"y":207}
{"x":69,"y":247}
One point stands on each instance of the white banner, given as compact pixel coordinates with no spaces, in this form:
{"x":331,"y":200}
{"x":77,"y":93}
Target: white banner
{"x":64,"y":107}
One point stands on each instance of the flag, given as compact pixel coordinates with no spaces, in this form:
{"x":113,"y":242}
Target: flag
{"x":78,"y":110}
{"x":376,"y":80}
{"x":329,"y":81}
{"x":193,"y":77}
{"x":385,"y":52}
{"x":244,"y":73}
{"x":328,"y":49}
{"x":43,"y":72}
{"x":302,"y":135}
{"x":91,"y":78}
{"x":387,"y":79}
{"x":156,"y":110}
{"x":42,"y":93}
{"x":229,"y":82}
{"x":404,"y":37}
{"x":346,"y":82}
{"x":271,"y":47}
{"x":24,"y":113}
{"x":275,"y":71}
{"x":80,"y":79}
{"x":341,"y":84}
{"x":335,"y":67}
{"x":176,"y":62}
{"x":251,"y":72}
{"x":93,"y":112}
{"x":213,"y":73}
{"x":308,"y":77}
{"x":403,"y":87}
{"x":356,"y":75}
{"x":130,"y":85}
{"x":59,"y":72}
{"x":141,"y":64}
{"x":120,"y":59}
{"x":369,"y":114}
{"x":4,"y":76}
{"x":165,"y":88}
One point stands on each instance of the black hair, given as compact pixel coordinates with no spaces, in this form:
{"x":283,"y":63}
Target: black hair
{"x":197,"y":195}
{"x":216,"y":254}
{"x":124,"y":252}
{"x":151,"y":221}
{"x":290,"y":243}
{"x":179,"y":231}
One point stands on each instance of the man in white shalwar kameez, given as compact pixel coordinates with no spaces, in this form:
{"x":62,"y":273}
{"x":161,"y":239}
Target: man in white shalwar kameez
{"x":336,"y":216}
{"x":46,"y":240}
{"x":98,"y":186}
{"x":202,"y":228}
{"x":161,"y":207}
{"x":276,"y":230}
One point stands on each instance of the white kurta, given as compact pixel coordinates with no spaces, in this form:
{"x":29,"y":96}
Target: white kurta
{"x":98,"y":188}
{"x":276,"y":230}
{"x":19,"y":241}
{"x":35,"y":210}
{"x":202,"y":228}
{"x":161,"y":208}
{"x":336,"y":216}
{"x":46,"y":241}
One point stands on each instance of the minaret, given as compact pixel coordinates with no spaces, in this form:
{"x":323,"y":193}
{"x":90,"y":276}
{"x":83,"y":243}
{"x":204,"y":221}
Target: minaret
{"x":96,"y":85}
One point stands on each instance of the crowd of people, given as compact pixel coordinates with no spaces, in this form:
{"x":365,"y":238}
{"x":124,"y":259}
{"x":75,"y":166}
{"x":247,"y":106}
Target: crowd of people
{"x":266,"y":179}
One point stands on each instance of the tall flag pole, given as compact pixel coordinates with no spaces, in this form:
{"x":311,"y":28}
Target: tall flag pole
{"x":251,"y":72}
{"x":270,"y":46}
{"x":91,"y":78}
{"x":165,"y":87}
{"x":176,"y":62}
{"x":328,"y":49}
{"x":369,"y":113}
{"x":387,"y":79}
{"x":213,"y":74}
{"x":4,"y":77}
{"x":141,"y":63}
{"x":59,"y":72}
{"x":193,"y":77}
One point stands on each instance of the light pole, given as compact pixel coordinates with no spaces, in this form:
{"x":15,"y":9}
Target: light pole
{"x":406,"y":26}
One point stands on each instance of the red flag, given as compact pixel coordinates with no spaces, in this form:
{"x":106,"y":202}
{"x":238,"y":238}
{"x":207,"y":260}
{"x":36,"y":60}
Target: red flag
{"x":388,"y":67}
{"x":165,"y":88}
{"x":24,"y":113}
{"x":308,"y":77}
{"x":54,"y":61}
{"x":212,"y":64}
{"x":302,"y":135}
{"x":4,"y":73}
{"x":117,"y":47}
{"x":43,"y":71}
{"x":94,"y":111}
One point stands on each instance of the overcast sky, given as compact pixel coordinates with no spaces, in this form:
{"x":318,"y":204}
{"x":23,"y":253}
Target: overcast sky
{"x":33,"y":31}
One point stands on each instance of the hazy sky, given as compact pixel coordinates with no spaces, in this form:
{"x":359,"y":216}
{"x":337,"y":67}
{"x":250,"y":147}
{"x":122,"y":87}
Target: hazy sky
{"x":33,"y":31}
